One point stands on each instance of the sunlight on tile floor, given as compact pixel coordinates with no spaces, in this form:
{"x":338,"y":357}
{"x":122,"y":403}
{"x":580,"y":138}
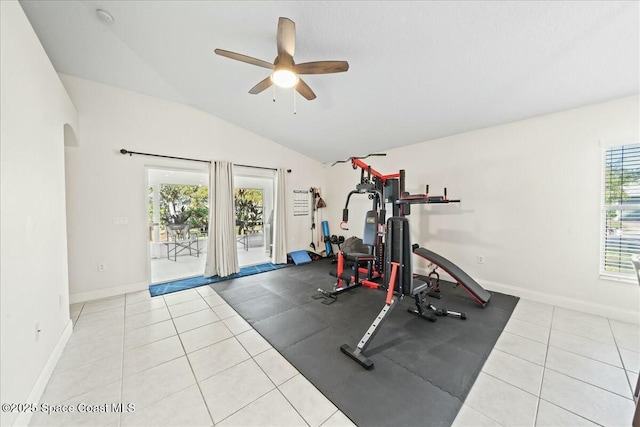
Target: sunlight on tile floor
{"x":183,"y":359}
{"x":556,"y":367}
{"x":164,"y":270}
{"x":188,"y":359}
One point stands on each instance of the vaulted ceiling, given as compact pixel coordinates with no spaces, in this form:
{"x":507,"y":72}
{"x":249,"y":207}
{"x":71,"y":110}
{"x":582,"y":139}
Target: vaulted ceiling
{"x":418,"y":70}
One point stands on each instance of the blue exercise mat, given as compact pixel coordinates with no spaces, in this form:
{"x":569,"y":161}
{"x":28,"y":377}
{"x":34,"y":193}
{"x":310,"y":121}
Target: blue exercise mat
{"x":194,"y":282}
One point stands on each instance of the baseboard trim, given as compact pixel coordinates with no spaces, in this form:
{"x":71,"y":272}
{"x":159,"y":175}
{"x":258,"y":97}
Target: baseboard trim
{"x":24,"y":418}
{"x":107,"y":292}
{"x":611,"y":312}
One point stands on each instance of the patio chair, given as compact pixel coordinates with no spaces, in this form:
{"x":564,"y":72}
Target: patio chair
{"x":242,"y":236}
{"x":181,"y":239}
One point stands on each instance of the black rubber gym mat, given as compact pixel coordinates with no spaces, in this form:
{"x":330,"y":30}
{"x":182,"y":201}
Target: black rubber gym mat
{"x":423,"y":371}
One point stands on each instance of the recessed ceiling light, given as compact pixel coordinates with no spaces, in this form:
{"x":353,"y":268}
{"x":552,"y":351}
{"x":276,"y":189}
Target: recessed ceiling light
{"x":104,"y":16}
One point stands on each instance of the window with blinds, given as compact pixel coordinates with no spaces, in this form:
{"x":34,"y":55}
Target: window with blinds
{"x":621,"y":210}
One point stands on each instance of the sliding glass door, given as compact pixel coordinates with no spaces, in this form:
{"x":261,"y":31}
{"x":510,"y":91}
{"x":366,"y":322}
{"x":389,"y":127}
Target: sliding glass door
{"x":254,"y":215}
{"x":178,"y":203}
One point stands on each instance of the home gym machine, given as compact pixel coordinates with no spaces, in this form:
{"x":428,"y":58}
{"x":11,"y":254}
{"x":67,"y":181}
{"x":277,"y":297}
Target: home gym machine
{"x":366,"y":266}
{"x":386,"y":190}
{"x":400,"y":283}
{"x":391,"y":253}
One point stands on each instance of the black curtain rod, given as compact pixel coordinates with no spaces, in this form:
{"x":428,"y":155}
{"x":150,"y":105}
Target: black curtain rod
{"x":125,"y":151}
{"x":258,"y":167}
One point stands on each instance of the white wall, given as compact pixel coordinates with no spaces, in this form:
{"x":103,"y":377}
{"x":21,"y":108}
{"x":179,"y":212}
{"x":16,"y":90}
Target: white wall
{"x":33,"y":243}
{"x":102,"y":184}
{"x":530,"y":195}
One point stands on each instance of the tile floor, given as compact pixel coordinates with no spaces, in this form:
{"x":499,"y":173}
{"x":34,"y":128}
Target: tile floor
{"x":188,"y":359}
{"x":556,"y":367}
{"x":183,"y":359}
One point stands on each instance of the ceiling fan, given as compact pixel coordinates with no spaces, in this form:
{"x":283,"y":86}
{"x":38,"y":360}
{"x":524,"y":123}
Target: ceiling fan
{"x":285,"y":71}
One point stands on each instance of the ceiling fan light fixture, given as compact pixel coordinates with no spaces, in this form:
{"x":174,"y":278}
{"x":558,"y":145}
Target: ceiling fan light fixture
{"x":285,"y":78}
{"x":284,"y":70}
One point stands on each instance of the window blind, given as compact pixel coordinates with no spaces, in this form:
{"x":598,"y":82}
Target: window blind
{"x":621,"y":210}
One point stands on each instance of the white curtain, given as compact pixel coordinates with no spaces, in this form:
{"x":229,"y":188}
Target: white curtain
{"x":222,"y":255}
{"x":280,"y":221}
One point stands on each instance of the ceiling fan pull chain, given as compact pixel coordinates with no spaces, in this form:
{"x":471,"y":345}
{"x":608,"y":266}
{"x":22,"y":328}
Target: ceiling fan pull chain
{"x":274,"y":93}
{"x":294,"y":102}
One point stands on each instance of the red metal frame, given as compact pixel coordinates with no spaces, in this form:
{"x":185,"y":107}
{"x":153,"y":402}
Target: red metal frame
{"x":340,"y":268}
{"x":392,"y":282}
{"x":365,"y":282}
{"x":369,"y":284}
{"x":357,"y":163}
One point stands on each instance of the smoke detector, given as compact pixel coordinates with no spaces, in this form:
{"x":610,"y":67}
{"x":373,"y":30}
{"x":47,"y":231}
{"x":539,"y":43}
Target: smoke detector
{"x":104,"y":16}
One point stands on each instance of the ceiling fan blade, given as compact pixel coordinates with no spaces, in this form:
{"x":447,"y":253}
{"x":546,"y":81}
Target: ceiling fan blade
{"x":264,"y":84}
{"x":321,"y":67}
{"x":286,"y":41}
{"x":244,"y":58}
{"x":304,"y":90}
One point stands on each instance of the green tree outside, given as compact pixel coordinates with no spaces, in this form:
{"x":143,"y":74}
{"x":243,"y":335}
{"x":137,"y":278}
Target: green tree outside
{"x":248,"y":208}
{"x":180,"y":204}
{"x":190,"y":203}
{"x":615,"y":181}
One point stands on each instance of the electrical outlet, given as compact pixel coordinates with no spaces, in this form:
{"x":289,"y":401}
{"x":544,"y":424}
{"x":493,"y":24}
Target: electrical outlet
{"x":101,"y":267}
{"x":480,"y":259}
